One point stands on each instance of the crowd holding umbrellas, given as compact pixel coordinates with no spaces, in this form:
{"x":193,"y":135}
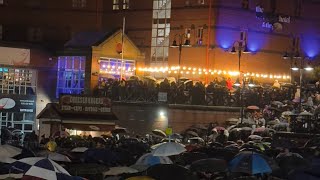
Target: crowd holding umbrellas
{"x":207,"y":151}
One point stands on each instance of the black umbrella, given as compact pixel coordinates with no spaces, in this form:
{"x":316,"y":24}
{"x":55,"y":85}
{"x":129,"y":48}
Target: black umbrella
{"x":189,"y":157}
{"x":169,"y":172}
{"x":192,"y":133}
{"x":209,"y":165}
{"x":289,"y":163}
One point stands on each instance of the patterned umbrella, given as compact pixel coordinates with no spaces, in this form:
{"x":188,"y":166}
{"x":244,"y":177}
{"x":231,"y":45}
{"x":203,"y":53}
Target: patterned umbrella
{"x":9,"y":151}
{"x":40,"y":167}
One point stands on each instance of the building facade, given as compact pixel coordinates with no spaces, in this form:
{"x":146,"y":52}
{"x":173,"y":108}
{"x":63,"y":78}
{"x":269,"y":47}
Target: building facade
{"x":207,"y":31}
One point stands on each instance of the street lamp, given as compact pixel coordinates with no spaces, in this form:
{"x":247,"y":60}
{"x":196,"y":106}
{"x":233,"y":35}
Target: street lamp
{"x":181,"y":44}
{"x":242,"y":48}
{"x":301,"y":68}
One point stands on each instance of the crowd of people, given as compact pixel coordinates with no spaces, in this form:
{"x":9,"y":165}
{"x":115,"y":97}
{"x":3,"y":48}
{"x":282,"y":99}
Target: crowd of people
{"x":220,"y":92}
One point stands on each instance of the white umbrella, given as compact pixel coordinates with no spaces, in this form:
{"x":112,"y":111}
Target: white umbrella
{"x":150,"y":160}
{"x":286,"y":113}
{"x":79,"y":149}
{"x":113,"y":171}
{"x":168,"y":149}
{"x":58,"y":157}
{"x":9,"y":151}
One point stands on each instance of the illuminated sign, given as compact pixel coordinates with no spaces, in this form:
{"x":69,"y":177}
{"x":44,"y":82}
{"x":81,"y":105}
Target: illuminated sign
{"x":85,"y":104}
{"x":17,"y":103}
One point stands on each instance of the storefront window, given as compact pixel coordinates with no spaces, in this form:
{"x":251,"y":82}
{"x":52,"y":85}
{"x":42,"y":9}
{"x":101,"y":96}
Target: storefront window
{"x":113,"y":68}
{"x":17,"y":81}
{"x":71,"y":72}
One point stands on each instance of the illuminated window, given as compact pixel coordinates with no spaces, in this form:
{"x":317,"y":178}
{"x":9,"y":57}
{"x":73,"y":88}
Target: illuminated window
{"x":34,"y":34}
{"x":187,"y":33}
{"x":200,"y":36}
{"x":116,"y":5}
{"x":125,"y":4}
{"x":160,"y":31}
{"x":17,"y":81}
{"x":1,"y":2}
{"x":79,"y":3}
{"x":71,"y":72}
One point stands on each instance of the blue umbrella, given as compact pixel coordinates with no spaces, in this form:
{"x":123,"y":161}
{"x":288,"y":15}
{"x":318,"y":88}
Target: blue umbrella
{"x":252,"y":163}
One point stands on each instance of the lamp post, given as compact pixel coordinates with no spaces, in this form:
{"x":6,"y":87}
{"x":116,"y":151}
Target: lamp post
{"x":301,"y":68}
{"x":241,"y":49}
{"x":180,"y":46}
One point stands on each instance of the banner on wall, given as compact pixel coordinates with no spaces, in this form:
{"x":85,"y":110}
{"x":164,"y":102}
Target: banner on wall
{"x":17,"y":103}
{"x":14,"y":56}
{"x":85,"y":104}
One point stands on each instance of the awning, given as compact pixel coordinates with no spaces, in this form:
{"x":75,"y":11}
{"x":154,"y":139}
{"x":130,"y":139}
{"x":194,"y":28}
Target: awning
{"x":89,"y":126}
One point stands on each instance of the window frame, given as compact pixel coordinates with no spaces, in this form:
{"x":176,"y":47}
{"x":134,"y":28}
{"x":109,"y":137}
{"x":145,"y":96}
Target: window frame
{"x":70,"y":79}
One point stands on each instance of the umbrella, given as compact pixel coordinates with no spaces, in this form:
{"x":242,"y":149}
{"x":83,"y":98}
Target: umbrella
{"x":188,"y":81}
{"x":168,"y":172}
{"x":196,"y":139}
{"x":253,"y":108}
{"x":255,"y":137}
{"x":283,"y":143}
{"x":287,"y":113}
{"x":252,"y":163}
{"x":246,"y":129}
{"x":187,"y":158}
{"x":209,"y":165}
{"x":192,"y":133}
{"x":58,"y":157}
{"x":113,"y":171}
{"x":305,"y":114}
{"x":168,"y":149}
{"x":40,"y":167}
{"x":7,"y":160}
{"x":79,"y":149}
{"x":277,"y":103}
{"x":119,"y":130}
{"x":150,"y":160}
{"x":9,"y":151}
{"x":219,"y":128}
{"x":150,"y":78}
{"x":171,"y":79}
{"x":176,"y":136}
{"x":159,"y":132}
{"x":292,"y":162}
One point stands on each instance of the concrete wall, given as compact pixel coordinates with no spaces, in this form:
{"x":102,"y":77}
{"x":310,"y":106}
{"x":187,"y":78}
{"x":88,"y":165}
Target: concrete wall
{"x":143,"y":118}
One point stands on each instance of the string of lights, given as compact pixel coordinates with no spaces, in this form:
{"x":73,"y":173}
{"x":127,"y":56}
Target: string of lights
{"x":201,"y":71}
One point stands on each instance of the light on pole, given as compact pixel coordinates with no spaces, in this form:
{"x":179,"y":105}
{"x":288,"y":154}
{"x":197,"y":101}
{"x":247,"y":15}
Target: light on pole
{"x":181,"y":44}
{"x":301,"y":67}
{"x":242,"y":48}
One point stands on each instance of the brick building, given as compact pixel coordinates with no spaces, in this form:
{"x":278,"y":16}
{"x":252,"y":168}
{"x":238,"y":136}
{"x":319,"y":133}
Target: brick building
{"x":212,"y":27}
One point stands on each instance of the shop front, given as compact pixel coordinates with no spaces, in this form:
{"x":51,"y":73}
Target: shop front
{"x":78,"y":115}
{"x":91,"y":58}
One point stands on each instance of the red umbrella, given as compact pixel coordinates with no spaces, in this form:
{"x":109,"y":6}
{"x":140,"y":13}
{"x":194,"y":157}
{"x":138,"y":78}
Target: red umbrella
{"x":253,"y":108}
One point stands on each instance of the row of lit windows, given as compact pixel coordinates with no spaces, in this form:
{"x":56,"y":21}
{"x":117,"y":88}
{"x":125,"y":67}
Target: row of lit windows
{"x":17,"y":81}
{"x":116,"y":4}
